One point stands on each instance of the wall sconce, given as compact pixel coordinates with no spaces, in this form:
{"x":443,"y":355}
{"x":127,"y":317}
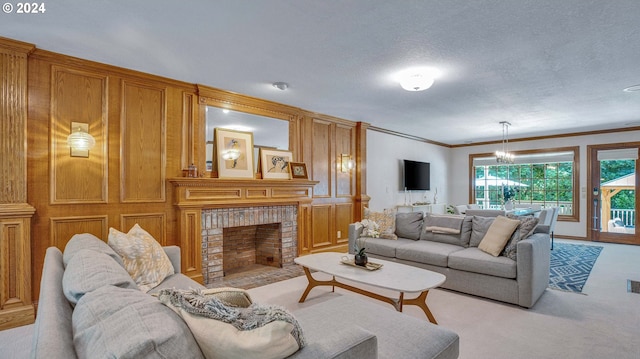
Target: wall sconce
{"x":346,"y":163}
{"x":80,"y":141}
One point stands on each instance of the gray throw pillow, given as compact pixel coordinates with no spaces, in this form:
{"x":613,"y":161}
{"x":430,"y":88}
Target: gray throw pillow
{"x":113,"y":322}
{"x":88,"y":241}
{"x":409,"y":225}
{"x":479,"y":227}
{"x":89,"y":270}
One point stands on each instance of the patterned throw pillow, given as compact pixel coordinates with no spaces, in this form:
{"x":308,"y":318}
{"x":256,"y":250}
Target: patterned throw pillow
{"x":525,"y":230}
{"x":143,"y":256}
{"x":386,"y":222}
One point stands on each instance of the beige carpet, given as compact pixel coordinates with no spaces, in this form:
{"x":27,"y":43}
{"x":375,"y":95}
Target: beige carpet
{"x":602,"y":323}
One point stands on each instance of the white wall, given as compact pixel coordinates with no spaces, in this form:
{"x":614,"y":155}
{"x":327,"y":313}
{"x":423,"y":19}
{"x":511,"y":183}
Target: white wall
{"x":384,"y":169}
{"x":459,"y":175}
{"x":450,"y":169}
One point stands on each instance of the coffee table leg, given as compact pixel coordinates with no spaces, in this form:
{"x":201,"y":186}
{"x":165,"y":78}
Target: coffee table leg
{"x":311,"y":285}
{"x":420,"y":301}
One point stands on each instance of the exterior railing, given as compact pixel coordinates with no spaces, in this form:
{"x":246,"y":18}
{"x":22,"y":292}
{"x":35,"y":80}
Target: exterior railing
{"x":627,"y":216}
{"x":566,"y":208}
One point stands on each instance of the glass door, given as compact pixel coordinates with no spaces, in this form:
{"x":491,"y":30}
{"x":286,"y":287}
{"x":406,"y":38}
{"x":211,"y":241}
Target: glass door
{"x":613,"y":197}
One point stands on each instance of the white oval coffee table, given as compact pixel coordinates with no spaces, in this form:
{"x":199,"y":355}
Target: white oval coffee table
{"x":393,"y":276}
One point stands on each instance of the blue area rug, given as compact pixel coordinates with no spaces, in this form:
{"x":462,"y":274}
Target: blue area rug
{"x":571,"y":265}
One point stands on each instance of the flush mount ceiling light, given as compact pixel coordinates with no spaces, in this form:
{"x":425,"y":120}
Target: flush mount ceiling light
{"x":417,"y":79}
{"x":280,"y":85}
{"x":634,"y":88}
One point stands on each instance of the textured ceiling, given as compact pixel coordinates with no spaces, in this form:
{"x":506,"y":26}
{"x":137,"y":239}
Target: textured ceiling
{"x":546,"y":66}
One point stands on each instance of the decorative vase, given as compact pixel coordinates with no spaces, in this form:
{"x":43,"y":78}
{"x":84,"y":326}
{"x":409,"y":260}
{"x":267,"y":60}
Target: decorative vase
{"x":361,"y":259}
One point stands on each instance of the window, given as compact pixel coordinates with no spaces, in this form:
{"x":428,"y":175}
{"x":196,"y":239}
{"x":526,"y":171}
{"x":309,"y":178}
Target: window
{"x":548,"y":178}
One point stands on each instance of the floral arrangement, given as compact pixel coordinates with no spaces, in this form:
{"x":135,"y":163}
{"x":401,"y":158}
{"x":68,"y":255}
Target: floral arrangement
{"x":371,"y":228}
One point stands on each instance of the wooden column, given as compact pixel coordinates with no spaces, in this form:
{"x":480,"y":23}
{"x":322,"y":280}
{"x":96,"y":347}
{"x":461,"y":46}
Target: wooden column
{"x":361,"y":199}
{"x":16,"y":306}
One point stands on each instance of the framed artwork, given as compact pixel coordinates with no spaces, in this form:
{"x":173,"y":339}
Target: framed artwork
{"x":275,"y":164}
{"x":298,"y":170}
{"x":234,"y":153}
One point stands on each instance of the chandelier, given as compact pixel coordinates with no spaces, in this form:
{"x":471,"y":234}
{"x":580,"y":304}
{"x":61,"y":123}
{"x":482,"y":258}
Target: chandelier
{"x":505,"y":156}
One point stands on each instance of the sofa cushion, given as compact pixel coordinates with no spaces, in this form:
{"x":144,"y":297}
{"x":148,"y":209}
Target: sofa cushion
{"x":113,"y":322}
{"x":143,"y":256}
{"x":409,"y":225}
{"x":386,"y":221}
{"x":525,"y":230}
{"x":89,"y":270}
{"x":475,"y":260}
{"x":381,"y":247}
{"x":398,"y":335}
{"x":498,"y":235}
{"x":462,"y":224}
{"x":88,"y":241}
{"x":479,"y":227}
{"x":427,"y":252}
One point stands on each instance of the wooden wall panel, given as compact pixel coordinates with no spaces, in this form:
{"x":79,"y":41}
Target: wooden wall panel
{"x":63,"y":228}
{"x":143,"y":147}
{"x":322,"y":158}
{"x":344,"y":216}
{"x":344,"y":145}
{"x":15,"y":270}
{"x":154,"y":223}
{"x":322,"y":232}
{"x":78,"y":96}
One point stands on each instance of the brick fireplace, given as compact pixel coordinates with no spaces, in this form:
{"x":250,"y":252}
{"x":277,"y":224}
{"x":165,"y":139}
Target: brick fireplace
{"x":206,"y":206}
{"x":235,"y":237}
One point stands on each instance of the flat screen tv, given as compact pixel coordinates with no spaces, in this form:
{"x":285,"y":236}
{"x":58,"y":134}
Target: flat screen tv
{"x":417,"y":176}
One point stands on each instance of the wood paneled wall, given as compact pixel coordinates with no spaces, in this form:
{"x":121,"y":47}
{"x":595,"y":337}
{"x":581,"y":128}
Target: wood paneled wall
{"x":137,"y":121}
{"x":147,"y":129}
{"x":16,"y":306}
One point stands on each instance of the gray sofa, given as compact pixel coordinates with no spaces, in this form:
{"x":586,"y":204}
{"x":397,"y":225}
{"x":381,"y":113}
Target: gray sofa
{"x":521,"y":280}
{"x":135,"y":324}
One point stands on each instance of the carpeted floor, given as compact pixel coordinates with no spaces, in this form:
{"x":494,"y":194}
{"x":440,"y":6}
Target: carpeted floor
{"x":571,"y":265}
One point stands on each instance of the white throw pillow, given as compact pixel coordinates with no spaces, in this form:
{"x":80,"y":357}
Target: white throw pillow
{"x":143,"y":257}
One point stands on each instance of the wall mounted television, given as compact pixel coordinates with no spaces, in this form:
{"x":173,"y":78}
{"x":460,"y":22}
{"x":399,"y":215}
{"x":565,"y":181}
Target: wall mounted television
{"x":416,"y":176}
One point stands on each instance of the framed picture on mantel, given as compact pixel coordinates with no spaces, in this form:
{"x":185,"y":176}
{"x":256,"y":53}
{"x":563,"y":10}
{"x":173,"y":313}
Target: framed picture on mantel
{"x":298,"y":170}
{"x":275,"y":164}
{"x":234,"y":153}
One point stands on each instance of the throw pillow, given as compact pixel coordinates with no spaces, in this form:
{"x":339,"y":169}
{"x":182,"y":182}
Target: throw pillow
{"x":257,"y":331}
{"x":524,"y":231}
{"x":88,"y":241}
{"x":498,"y":234}
{"x":89,"y":270}
{"x":143,"y":256}
{"x":479,"y":227}
{"x":386,"y":221}
{"x":112,"y":322}
{"x":409,"y":225}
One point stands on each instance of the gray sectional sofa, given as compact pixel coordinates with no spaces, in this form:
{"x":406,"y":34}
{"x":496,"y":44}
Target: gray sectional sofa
{"x":520,"y":280}
{"x":112,"y":318}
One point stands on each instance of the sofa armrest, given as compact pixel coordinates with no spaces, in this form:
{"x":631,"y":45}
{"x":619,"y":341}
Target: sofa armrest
{"x":533,"y":262}
{"x":349,"y":342}
{"x":173,"y":252}
{"x":355,"y":231}
{"x":52,"y":332}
